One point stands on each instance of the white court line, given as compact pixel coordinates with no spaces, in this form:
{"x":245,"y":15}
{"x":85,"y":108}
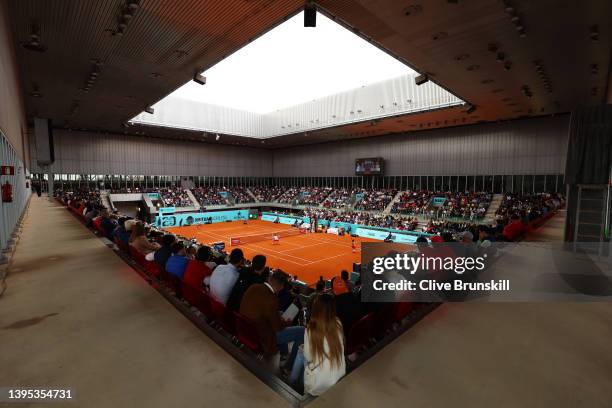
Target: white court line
{"x":326,"y":259}
{"x":279,"y":252}
{"x":306,"y":246}
{"x":281,"y":256}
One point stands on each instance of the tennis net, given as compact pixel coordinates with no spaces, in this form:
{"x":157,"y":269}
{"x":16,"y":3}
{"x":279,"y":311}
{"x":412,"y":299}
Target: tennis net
{"x":248,"y":239}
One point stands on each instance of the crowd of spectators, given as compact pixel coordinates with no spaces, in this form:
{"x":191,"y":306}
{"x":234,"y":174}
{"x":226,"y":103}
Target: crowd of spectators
{"x":338,"y":198}
{"x":527,"y":207}
{"x":267,"y":194}
{"x":470,"y":206}
{"x":288,"y":195}
{"x":258,"y":293}
{"x":240,"y":195}
{"x":412,"y":202}
{"x":311,"y":343}
{"x":364,"y":218}
{"x":175,"y":197}
{"x":374,"y":199}
{"x":314,"y":195}
{"x":209,"y":196}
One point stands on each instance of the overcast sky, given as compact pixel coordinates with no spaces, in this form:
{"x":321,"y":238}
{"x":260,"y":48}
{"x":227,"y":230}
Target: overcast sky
{"x":293,"y":64}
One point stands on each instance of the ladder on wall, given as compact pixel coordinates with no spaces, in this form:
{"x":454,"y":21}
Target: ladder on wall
{"x":592,"y":228}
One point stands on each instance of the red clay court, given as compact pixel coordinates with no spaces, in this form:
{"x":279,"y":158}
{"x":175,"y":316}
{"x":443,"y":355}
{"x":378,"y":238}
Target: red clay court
{"x":306,"y":255}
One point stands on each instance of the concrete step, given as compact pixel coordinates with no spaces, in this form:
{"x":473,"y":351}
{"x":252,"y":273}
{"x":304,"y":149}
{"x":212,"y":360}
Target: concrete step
{"x":252,"y":195}
{"x":388,"y":208}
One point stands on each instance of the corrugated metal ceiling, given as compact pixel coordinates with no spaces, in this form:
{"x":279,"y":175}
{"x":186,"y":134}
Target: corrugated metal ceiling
{"x":166,"y":41}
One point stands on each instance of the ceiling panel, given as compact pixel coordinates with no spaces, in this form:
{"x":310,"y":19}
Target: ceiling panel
{"x":458,"y":43}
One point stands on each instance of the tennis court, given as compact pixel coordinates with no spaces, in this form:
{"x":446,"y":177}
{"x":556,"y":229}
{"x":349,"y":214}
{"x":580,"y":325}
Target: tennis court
{"x":306,"y":255}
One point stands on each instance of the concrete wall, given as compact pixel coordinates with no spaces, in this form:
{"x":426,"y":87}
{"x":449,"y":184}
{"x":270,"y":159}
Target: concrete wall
{"x":529,"y":146}
{"x":12,"y":116}
{"x":98,"y":153}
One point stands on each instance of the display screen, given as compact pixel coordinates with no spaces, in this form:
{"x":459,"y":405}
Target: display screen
{"x":371,"y":166}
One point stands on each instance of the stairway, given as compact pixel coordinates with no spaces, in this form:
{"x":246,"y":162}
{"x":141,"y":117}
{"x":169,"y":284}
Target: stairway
{"x":195,"y":202}
{"x":104,"y":197}
{"x":489,"y":216}
{"x":252,"y":195}
{"x":422,"y":224}
{"x":591,"y":225}
{"x":388,"y":208}
{"x":351,"y":203}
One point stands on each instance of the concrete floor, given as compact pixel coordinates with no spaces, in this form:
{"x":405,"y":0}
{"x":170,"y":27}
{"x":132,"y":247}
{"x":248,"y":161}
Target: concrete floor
{"x":75,"y":315}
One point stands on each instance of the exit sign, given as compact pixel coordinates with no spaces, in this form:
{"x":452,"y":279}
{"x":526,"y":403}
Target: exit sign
{"x":8,"y":170}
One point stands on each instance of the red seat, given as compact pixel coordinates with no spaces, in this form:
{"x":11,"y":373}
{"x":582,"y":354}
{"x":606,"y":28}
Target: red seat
{"x":359,"y":334}
{"x":153,"y":269}
{"x":384,"y":320}
{"x":514,"y":230}
{"x":137,"y":256}
{"x":222,"y":315}
{"x":204,"y":305}
{"x":401,"y":310}
{"x":97,"y":225}
{"x":247,"y":333}
{"x":173,"y":282}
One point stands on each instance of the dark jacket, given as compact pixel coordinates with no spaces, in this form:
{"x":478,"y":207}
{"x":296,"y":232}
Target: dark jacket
{"x":161,"y":256}
{"x":260,"y":305}
{"x":247,"y":278}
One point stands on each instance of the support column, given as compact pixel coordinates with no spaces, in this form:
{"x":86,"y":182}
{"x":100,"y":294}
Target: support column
{"x":50,"y":185}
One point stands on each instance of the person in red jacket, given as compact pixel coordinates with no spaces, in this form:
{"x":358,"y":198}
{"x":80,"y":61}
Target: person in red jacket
{"x":198,"y":269}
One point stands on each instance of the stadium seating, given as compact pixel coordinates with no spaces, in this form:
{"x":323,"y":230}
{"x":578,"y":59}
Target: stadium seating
{"x":365,"y":330}
{"x":358,"y":335}
{"x":247,"y":333}
{"x":223,"y":316}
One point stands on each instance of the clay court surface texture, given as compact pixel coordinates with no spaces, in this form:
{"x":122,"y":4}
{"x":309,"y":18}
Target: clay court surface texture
{"x":307,"y":255}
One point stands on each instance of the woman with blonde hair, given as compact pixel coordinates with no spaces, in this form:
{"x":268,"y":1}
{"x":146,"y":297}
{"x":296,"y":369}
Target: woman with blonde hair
{"x":139,"y":240}
{"x":321,"y":360}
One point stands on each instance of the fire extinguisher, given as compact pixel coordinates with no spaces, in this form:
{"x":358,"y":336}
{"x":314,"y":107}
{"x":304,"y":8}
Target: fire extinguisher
{"x":7,"y":193}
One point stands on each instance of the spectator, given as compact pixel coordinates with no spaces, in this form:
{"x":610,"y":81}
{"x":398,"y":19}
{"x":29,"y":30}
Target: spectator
{"x":321,"y":361}
{"x":90,"y":213}
{"x":165,"y":251}
{"x":198,"y":269}
{"x":177,"y":263}
{"x":120,"y":232}
{"x":348,"y":308}
{"x":344,"y":275}
{"x":107,"y":223}
{"x":139,"y":240}
{"x":260,"y":304}
{"x":248,"y":276}
{"x":224,"y":277}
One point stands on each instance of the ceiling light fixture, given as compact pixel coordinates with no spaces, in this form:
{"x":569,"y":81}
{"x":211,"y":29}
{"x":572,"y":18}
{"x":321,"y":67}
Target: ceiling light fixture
{"x":421,"y":79}
{"x":33,"y":43}
{"x":199,"y":78}
{"x":594,"y":33}
{"x":310,"y":14}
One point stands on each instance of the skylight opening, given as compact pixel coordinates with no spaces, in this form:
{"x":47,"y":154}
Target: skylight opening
{"x":293,"y":64}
